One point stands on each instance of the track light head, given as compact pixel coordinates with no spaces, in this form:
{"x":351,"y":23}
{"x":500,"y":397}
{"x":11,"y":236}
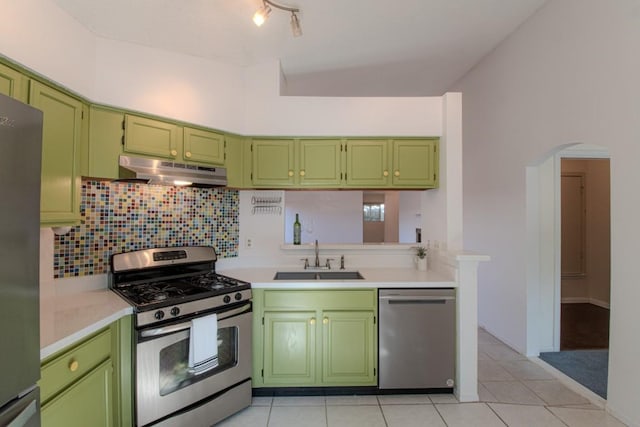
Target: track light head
{"x":264,"y":11}
{"x":295,"y":25}
{"x":261,"y":15}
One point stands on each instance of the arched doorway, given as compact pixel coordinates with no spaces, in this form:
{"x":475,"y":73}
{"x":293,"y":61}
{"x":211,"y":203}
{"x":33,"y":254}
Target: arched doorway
{"x":544,"y":268}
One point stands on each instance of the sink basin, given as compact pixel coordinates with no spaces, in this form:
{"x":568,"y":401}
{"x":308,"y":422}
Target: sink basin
{"x":318,"y":275}
{"x":339,"y":275}
{"x":295,"y":275}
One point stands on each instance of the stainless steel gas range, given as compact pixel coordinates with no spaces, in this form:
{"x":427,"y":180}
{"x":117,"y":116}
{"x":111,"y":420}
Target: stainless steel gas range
{"x":192,"y":335}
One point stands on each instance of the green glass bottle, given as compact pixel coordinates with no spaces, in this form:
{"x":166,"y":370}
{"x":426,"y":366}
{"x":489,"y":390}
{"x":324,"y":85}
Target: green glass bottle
{"x":297,"y":231}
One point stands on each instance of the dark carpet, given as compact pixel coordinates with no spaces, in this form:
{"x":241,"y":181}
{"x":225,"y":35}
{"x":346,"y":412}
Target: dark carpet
{"x":588,"y":367}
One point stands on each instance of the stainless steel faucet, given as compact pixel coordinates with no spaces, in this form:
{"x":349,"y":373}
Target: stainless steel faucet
{"x":317,"y":262}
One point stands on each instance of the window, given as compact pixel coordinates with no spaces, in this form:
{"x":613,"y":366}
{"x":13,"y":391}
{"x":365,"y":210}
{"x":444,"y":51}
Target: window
{"x":373,"y":212}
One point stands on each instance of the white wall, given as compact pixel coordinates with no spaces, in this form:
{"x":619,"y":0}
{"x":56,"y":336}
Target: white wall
{"x":567,"y":75}
{"x":182,"y":87}
{"x":40,"y":36}
{"x":268,"y":113}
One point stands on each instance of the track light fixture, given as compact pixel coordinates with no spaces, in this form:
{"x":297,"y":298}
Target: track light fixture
{"x":262,"y":14}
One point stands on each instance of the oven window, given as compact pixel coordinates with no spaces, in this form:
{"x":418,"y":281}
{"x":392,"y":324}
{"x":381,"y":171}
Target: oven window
{"x":174,"y":361}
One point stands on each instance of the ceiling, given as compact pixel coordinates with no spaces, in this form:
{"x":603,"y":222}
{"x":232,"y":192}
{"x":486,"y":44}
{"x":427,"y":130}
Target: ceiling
{"x":348,"y":47}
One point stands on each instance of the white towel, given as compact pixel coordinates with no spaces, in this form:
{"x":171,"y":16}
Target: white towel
{"x":203,"y":343}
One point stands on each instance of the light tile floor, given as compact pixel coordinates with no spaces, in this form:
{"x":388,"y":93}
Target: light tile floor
{"x":513,"y":392}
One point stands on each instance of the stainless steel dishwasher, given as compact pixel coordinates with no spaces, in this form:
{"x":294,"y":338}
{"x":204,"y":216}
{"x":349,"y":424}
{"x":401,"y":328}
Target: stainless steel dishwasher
{"x":417,"y":332}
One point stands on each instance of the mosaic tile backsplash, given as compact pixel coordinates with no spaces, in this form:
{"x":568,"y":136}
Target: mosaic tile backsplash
{"x":120,"y":217}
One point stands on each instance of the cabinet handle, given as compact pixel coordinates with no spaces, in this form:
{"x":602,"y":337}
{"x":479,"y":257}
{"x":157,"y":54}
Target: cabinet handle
{"x":290,"y":173}
{"x":385,"y":173}
{"x":74,"y":365}
{"x":187,"y":154}
{"x":302,"y":173}
{"x":174,"y":153}
{"x":325,"y":320}
{"x":312,"y":321}
{"x":396,"y":173}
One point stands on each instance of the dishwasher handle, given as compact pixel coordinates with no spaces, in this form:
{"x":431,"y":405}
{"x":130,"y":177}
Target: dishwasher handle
{"x":409,"y":299}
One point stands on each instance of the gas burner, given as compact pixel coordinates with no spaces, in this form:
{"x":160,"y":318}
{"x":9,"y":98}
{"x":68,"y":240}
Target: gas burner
{"x":160,"y":296}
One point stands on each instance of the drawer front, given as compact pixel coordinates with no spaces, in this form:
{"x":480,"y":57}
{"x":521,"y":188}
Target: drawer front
{"x":71,"y":365}
{"x":335,"y":300}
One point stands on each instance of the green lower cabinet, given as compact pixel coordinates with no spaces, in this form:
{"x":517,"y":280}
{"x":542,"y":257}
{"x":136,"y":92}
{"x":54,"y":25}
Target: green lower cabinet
{"x":348,"y":348}
{"x":290,"y":348}
{"x":315,"y":338}
{"x":89,"y":383}
{"x":89,"y":402}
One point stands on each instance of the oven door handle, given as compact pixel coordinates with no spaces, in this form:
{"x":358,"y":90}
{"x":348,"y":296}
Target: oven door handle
{"x":186,"y":325}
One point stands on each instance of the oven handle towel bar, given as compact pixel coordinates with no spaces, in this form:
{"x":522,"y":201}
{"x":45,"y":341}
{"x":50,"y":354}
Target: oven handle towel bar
{"x":186,"y":325}
{"x":405,"y":299}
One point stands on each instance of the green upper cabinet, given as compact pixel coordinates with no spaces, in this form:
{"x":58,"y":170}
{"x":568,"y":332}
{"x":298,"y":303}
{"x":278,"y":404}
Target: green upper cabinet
{"x":273,"y":163}
{"x":13,"y":83}
{"x":415,"y":163}
{"x":61,"y":149}
{"x":285,"y":163}
{"x":106,"y":134}
{"x":367,"y":163}
{"x":151,"y":137}
{"x":320,"y":162}
{"x":203,"y":146}
{"x":234,"y":159}
{"x":396,"y":163}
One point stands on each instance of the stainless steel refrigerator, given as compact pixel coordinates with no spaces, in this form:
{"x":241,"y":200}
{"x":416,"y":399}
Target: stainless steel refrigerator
{"x":20,"y":154}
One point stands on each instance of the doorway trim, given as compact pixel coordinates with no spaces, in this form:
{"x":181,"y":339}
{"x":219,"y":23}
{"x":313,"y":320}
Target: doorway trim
{"x":543,"y":273}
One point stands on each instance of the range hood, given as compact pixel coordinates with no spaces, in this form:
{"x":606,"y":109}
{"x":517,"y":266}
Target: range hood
{"x":164,"y":172}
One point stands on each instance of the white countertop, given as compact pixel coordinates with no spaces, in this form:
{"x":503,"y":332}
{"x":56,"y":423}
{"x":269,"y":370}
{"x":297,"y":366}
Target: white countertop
{"x":67,"y":318}
{"x":262,"y":278}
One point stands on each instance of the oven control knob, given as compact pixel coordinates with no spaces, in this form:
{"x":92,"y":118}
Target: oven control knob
{"x":238,"y":296}
{"x":226,"y":299}
{"x":159,"y":315}
{"x":175,"y":311}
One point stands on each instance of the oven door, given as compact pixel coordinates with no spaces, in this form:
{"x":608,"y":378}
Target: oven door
{"x":164,"y":383}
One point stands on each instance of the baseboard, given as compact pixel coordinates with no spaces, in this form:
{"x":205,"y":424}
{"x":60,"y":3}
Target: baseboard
{"x":585,"y":300}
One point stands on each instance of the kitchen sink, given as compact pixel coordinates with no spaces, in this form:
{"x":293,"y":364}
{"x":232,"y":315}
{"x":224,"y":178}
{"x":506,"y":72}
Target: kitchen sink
{"x":318,"y":275}
{"x":339,"y":275}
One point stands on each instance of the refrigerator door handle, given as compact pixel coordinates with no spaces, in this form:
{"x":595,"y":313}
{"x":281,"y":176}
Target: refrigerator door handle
{"x":25,"y":416}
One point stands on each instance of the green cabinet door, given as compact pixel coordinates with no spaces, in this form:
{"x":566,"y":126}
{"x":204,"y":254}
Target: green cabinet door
{"x":290,"y":348}
{"x":86,"y":403}
{"x":106,"y":133}
{"x":234,"y":152}
{"x":61,"y":145}
{"x":349,"y":346}
{"x":320,"y":162}
{"x":151,"y":137}
{"x":273,"y":163}
{"x":13,"y":83}
{"x":203,"y":146}
{"x":415,"y":163}
{"x":367,"y":163}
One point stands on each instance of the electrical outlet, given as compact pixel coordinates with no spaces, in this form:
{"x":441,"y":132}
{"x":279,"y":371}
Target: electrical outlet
{"x":248,"y":243}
